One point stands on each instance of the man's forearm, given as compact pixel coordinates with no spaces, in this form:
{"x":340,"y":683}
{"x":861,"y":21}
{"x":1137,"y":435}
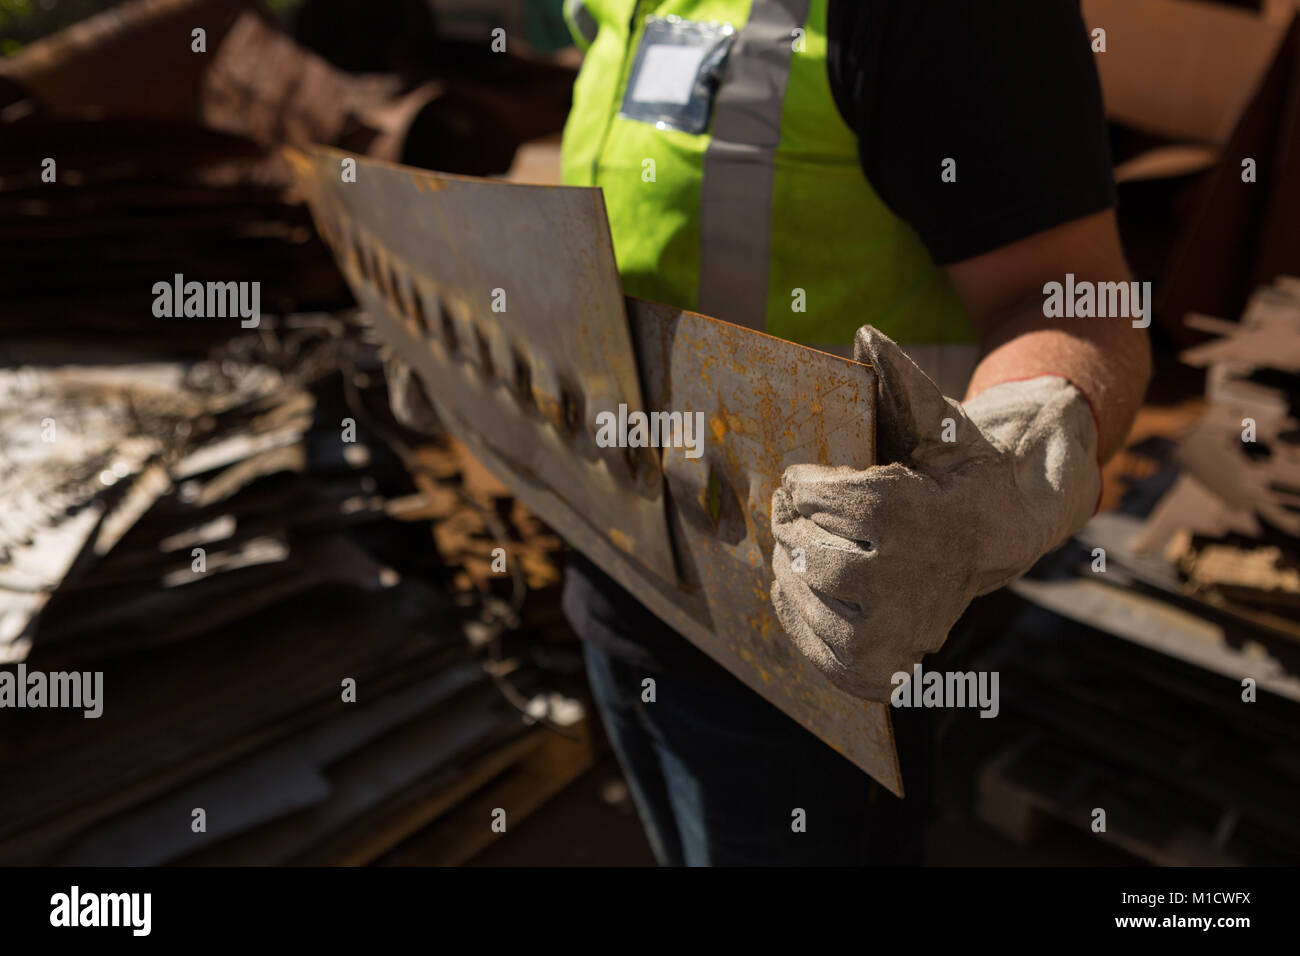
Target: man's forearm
{"x":1107,"y":359}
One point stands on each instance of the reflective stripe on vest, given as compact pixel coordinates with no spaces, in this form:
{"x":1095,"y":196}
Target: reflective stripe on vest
{"x":735,"y":223}
{"x":581,"y":23}
{"x":766,"y":219}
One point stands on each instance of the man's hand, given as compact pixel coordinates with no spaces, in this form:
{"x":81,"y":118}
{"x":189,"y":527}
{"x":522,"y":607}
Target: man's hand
{"x":966,"y":499}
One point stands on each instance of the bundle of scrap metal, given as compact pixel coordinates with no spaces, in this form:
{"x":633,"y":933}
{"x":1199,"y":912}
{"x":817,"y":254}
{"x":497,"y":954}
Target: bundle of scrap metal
{"x":127,"y":157}
{"x":256,"y":577}
{"x":1231,"y":523}
{"x":1215,"y":521}
{"x":109,"y":187}
{"x":307,"y":644}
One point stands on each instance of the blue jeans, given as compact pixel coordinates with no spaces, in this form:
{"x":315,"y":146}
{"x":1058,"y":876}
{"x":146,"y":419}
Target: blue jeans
{"x":718,"y":774}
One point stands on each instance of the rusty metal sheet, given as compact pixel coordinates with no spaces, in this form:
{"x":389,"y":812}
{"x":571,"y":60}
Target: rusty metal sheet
{"x":510,"y":304}
{"x":766,"y":404}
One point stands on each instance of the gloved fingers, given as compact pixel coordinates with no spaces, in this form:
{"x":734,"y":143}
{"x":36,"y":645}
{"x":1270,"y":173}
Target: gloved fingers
{"x":836,"y":498}
{"x":906,"y":633}
{"x":829,"y":564}
{"x":858,"y":505}
{"x":859,"y":652}
{"x":890,"y":640}
{"x":831,"y":620}
{"x":805,"y":637}
{"x":823,"y":634}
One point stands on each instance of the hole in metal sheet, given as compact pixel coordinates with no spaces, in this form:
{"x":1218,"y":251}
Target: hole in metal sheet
{"x":369,"y":264}
{"x":418,"y":315}
{"x":349,"y":238}
{"x":347,"y":243}
{"x":1257,"y":450}
{"x":396,"y":296}
{"x":449,"y":337}
{"x":484,"y":354}
{"x":523,"y":378}
{"x":570,"y":408}
{"x":725,"y":508}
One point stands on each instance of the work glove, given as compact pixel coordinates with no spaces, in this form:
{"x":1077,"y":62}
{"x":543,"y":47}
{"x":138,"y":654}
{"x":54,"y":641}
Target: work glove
{"x":873,"y":567}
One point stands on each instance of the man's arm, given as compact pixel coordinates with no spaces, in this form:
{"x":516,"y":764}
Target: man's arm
{"x":967,"y":496}
{"x":1107,"y":359}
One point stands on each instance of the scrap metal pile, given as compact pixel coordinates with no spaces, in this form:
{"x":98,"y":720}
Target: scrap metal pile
{"x":309,"y":649}
{"x":126,"y":158}
{"x":1231,"y":523}
{"x":1185,"y":728}
{"x":213,"y":539}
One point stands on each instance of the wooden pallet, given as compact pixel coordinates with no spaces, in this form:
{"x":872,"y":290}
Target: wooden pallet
{"x":1025,"y":792}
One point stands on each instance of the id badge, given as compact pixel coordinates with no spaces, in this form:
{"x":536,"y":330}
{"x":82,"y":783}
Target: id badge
{"x":677,"y":72}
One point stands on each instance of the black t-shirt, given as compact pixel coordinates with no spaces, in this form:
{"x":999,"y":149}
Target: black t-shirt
{"x":1010,"y":92}
{"x":1008,"y":89}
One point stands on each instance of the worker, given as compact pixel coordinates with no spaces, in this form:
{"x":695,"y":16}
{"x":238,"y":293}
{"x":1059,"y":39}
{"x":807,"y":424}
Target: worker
{"x":898,"y":178}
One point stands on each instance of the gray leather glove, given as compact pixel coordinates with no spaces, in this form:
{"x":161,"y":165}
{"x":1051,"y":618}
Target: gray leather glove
{"x":892,"y":555}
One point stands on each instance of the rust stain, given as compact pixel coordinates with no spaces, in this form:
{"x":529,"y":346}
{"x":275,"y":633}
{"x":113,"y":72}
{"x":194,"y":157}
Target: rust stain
{"x":301,"y":163}
{"x":425,"y":183}
{"x":718,"y":427}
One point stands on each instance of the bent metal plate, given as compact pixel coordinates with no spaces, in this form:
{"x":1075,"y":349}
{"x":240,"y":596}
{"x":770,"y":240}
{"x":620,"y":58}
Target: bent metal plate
{"x":506,"y":301}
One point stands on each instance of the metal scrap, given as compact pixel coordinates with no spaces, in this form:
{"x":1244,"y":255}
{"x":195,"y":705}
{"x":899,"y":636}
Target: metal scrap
{"x":505,"y":301}
{"x":1230,"y":523}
